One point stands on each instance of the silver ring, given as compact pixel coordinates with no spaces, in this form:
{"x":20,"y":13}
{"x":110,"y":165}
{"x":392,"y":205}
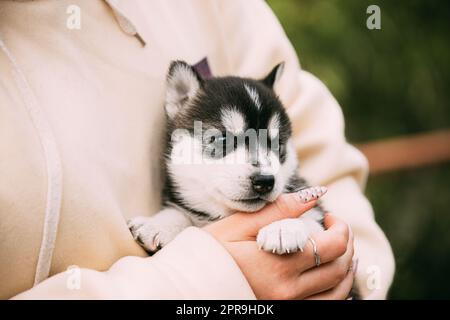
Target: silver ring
{"x":316,"y":254}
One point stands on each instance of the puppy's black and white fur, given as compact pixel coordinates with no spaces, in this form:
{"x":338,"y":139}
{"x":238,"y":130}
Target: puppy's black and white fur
{"x":200,"y":193}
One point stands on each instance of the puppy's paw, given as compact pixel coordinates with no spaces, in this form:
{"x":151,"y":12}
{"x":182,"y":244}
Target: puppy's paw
{"x":284,"y":236}
{"x":151,"y":234}
{"x":135,"y":223}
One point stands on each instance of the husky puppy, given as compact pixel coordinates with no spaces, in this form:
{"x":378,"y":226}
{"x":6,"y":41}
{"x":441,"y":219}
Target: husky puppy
{"x":229,"y":149}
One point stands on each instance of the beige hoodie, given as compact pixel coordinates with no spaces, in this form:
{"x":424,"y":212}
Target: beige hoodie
{"x":81,"y":116}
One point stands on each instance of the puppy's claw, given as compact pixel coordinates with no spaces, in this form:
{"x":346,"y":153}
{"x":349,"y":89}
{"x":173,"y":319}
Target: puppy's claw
{"x":283,"y":237}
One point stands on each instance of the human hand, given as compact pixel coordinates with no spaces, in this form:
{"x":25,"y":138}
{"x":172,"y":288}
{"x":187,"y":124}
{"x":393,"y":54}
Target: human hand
{"x":293,"y":276}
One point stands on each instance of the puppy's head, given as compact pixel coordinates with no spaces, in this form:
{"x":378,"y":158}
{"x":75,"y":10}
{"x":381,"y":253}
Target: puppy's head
{"x":230,"y":147}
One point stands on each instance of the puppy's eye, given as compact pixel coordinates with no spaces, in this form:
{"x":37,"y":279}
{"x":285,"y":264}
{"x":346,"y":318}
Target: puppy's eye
{"x":220,"y":145}
{"x":221,"y":140}
{"x":217,"y":140}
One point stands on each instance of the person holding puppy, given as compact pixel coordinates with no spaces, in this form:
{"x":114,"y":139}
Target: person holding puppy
{"x":81,"y":120}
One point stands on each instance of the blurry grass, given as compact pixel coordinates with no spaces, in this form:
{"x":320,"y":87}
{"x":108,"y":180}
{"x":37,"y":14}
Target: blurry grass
{"x":389,"y":82}
{"x":412,"y":207}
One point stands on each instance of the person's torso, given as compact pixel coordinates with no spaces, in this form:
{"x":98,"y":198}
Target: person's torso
{"x":101,"y":93}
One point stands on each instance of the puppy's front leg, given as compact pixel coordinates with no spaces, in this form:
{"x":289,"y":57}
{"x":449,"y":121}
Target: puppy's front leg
{"x":154,"y":232}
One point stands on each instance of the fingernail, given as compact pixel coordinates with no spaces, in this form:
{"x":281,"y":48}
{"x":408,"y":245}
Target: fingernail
{"x":308,"y":194}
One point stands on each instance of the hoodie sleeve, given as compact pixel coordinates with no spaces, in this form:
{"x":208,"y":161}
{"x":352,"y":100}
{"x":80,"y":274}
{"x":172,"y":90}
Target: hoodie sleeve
{"x":193,"y":266}
{"x":256,"y":42}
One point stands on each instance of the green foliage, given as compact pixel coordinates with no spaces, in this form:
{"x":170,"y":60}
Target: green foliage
{"x":389,"y":82}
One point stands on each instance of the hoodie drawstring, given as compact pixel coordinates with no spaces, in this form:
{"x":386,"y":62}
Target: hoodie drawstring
{"x":125,"y":24}
{"x":53,"y":166}
{"x":51,"y":152}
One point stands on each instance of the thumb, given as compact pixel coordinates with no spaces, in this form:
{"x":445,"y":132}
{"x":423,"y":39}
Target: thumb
{"x":245,"y":226}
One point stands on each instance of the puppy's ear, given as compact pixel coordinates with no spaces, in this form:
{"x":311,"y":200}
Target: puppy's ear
{"x":272,"y":78}
{"x":183,"y":84}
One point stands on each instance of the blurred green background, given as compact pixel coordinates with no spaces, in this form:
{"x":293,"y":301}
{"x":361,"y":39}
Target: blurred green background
{"x":389,"y":82}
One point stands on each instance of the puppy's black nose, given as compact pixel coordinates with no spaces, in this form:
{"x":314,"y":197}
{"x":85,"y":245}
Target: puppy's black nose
{"x":262,"y":183}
